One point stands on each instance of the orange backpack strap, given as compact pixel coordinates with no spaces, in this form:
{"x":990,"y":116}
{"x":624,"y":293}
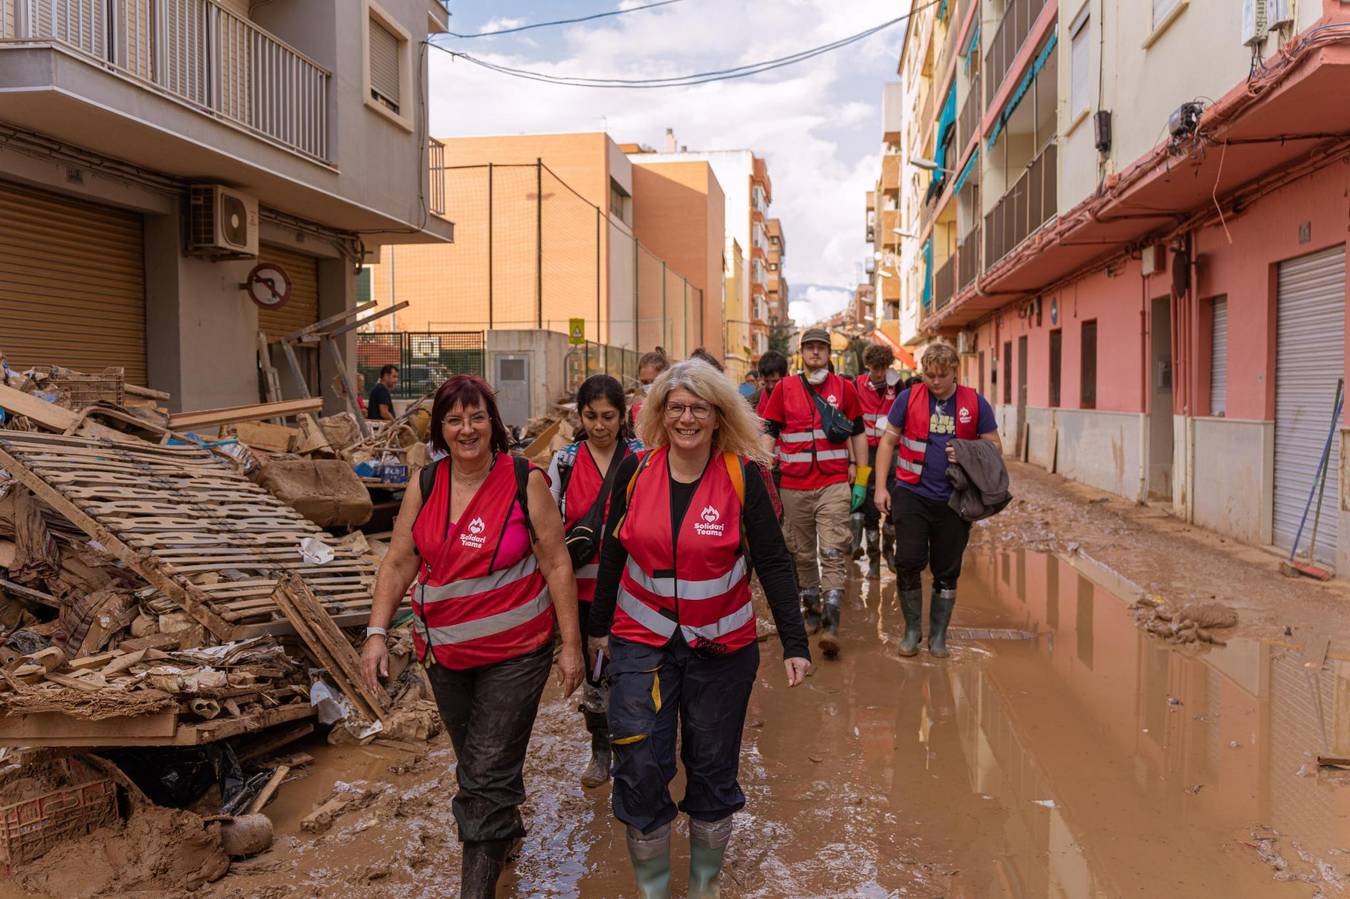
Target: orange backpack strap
{"x":736,"y":469}
{"x":643,"y":458}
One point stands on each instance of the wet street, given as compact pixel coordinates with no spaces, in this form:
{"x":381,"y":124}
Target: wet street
{"x":1084,"y":759}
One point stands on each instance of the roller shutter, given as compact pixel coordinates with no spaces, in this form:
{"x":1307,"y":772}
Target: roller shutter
{"x":1218,"y":360}
{"x":72,"y":283}
{"x":1310,"y":356}
{"x":300,"y":310}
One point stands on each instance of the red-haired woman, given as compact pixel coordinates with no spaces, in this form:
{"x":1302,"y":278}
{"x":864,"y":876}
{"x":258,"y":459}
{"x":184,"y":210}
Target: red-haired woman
{"x":486,"y":548}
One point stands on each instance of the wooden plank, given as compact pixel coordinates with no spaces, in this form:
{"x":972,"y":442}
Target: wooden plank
{"x":50,"y":415}
{"x":271,"y":381}
{"x":268,"y":789}
{"x":326,"y":322}
{"x":272,"y":742}
{"x":224,"y":728}
{"x":359,"y":323}
{"x":187,"y":597}
{"x":23,"y":592}
{"x":235,"y":414}
{"x":270,"y":438}
{"x":349,"y":386}
{"x":58,"y":729}
{"x":297,"y":372}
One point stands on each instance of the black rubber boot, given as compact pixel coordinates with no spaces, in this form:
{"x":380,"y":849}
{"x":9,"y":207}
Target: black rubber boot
{"x":888,"y":547}
{"x":855,"y":527}
{"x":597,"y":772}
{"x":873,"y":555}
{"x":811,"y":609}
{"x":482,"y":865}
{"x":911,"y":605}
{"x":939,"y":616}
{"x":829,"y":639}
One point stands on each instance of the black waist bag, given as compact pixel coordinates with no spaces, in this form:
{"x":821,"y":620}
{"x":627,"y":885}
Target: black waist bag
{"x":836,"y":427}
{"x":583,"y":538}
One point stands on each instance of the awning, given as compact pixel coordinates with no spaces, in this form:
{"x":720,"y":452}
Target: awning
{"x":905,"y":356}
{"x":972,"y":42}
{"x":1022,"y":87}
{"x":966,"y":170}
{"x":928,"y":272}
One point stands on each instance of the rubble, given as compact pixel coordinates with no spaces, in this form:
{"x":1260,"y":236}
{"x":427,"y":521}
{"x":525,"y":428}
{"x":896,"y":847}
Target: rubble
{"x":1194,"y":622}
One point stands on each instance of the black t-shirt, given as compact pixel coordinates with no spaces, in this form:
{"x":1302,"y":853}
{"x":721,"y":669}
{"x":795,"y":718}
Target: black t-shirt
{"x":379,"y":396}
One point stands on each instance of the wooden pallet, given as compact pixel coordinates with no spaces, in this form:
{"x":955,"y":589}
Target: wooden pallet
{"x":162,"y":729}
{"x":191,"y":525}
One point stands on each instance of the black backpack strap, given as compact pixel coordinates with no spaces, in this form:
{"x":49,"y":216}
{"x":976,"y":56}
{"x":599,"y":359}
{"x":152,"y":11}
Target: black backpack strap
{"x":522,"y":466}
{"x":426,"y":478}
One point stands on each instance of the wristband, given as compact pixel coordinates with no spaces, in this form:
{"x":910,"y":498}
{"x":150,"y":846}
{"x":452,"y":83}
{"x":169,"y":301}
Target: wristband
{"x":373,"y":631}
{"x":863,"y":473}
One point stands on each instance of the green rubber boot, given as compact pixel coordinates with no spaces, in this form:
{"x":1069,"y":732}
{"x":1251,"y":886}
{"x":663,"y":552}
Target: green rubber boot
{"x":707,"y":847}
{"x":650,"y":854}
{"x":939,"y":616}
{"x":911,"y":605}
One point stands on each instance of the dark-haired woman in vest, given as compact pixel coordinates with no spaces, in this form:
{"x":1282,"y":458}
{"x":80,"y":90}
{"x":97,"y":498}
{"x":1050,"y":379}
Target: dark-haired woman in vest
{"x":577,"y":477}
{"x":486,"y":549}
{"x":672,"y":607}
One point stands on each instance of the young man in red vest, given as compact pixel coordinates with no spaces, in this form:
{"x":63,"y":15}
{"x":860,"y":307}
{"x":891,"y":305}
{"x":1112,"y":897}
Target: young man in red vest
{"x":877,"y":389}
{"x":815,"y":429}
{"x":923,"y":422}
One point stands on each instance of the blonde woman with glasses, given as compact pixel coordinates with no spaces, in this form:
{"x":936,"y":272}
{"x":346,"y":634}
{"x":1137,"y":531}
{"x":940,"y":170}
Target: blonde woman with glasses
{"x":672,"y":613}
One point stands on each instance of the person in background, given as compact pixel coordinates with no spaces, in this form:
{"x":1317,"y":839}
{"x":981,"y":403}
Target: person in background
{"x":361,"y":392}
{"x":701,"y":353}
{"x":673,"y":611}
{"x":380,"y":406}
{"x":815,"y":423}
{"x":923,"y":421}
{"x":649,"y":366}
{"x":773,"y":367}
{"x":481,"y":536}
{"x":877,"y":389}
{"x":750,"y":387}
{"x":578,"y":475}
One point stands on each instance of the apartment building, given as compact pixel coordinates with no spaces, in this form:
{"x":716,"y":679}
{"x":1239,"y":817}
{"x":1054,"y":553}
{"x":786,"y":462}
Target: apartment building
{"x":777,"y":291}
{"x":748,"y":190}
{"x":153,"y":153}
{"x":1133,"y":227}
{"x":890,"y":264}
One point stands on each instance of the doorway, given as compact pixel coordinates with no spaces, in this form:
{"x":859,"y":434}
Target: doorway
{"x":1021,"y":395}
{"x":1160,"y":407}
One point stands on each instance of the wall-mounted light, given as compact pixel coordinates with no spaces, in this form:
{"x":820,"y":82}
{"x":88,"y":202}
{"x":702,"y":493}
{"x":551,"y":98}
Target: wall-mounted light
{"x":929,"y":165}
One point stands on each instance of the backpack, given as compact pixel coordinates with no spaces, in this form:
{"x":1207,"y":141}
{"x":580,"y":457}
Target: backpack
{"x":426,"y":480}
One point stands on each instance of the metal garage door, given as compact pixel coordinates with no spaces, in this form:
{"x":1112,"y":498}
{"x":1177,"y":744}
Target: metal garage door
{"x":300,"y":310}
{"x":72,"y":283}
{"x":1309,"y":357}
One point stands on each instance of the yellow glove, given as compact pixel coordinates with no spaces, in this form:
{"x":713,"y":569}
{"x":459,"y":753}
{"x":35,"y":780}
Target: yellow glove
{"x":861,"y":475}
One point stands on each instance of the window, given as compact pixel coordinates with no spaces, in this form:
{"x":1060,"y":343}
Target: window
{"x":1218,"y":359}
{"x":363,"y":285}
{"x":1007,"y":372}
{"x":620,"y":201}
{"x":1080,"y":64}
{"x":1056,"y":341}
{"x":1162,"y":9}
{"x":1088,"y":367}
{"x":388,"y":66}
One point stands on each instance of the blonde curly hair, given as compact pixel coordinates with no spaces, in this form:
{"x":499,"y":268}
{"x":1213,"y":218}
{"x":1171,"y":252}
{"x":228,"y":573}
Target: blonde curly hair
{"x":738,"y":428}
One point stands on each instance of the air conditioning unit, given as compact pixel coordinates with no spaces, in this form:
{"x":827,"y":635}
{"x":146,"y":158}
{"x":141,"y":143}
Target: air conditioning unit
{"x":965,"y":342}
{"x":1254,"y":22}
{"x":222,"y":222}
{"x":1154,"y":259}
{"x":1279,"y":13}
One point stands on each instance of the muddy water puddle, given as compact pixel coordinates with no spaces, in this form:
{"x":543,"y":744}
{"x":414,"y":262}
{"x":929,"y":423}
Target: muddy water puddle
{"x":1088,"y":760}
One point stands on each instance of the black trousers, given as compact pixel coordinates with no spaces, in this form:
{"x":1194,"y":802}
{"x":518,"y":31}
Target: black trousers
{"x":655,"y":691}
{"x":927,"y":530}
{"x":489,"y":712}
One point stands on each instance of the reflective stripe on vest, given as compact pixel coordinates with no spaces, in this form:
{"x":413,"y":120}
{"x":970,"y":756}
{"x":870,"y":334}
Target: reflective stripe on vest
{"x":645,"y":615}
{"x":671,"y":588}
{"x":589,"y":570}
{"x":911,"y":467}
{"x":659,"y":624}
{"x":822,"y":455}
{"x":918,"y":446}
{"x":723,"y":626}
{"x":801,"y":436}
{"x":491,"y":624}
{"x":475,"y":585}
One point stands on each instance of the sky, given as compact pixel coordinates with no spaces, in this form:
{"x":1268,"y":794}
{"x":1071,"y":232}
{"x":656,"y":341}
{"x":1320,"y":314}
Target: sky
{"x":818,"y":123}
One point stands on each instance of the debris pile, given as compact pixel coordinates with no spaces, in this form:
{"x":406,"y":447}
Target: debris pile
{"x":1194,"y":622}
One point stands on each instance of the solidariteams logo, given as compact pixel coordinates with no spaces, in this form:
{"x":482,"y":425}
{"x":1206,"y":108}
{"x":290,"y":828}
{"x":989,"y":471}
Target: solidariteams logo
{"x":710,"y":526}
{"x":474,"y":539}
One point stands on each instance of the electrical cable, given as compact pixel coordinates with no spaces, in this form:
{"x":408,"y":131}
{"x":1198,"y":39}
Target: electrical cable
{"x":590,"y":18}
{"x":690,"y":79}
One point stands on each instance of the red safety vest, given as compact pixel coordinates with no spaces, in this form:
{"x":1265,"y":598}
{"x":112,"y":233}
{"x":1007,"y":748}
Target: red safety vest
{"x":583,"y":486}
{"x":875,"y":406}
{"x":914,"y":439}
{"x":472,"y":606}
{"x":803,"y":450}
{"x":697,"y":580}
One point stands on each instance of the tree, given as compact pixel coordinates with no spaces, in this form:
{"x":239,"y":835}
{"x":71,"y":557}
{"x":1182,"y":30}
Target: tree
{"x":780,"y":338}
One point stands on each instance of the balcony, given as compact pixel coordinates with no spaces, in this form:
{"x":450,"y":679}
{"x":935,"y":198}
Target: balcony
{"x":1012,"y":32}
{"x":944,"y":283}
{"x":968,"y":260}
{"x":890,"y":173}
{"x":435,"y":176}
{"x":198,"y":52}
{"x":890,"y":221}
{"x":968,"y":119}
{"x":1028,"y":205}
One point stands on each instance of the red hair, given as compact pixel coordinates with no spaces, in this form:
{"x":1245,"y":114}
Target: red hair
{"x":468,"y":391}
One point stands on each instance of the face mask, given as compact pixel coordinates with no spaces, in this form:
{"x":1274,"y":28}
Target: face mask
{"x":817,"y":376}
{"x":646,"y":389}
{"x":892,"y":377}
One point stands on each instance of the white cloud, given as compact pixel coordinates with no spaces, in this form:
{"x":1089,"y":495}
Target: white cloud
{"x":811,"y":303}
{"x":492,"y":26}
{"x":816,"y":123}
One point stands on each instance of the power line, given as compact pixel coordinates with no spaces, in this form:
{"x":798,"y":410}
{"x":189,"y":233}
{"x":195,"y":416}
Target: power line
{"x":590,"y":18}
{"x":697,"y":78}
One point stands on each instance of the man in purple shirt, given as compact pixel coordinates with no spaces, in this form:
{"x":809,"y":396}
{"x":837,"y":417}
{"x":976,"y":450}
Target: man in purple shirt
{"x":924,"y":421}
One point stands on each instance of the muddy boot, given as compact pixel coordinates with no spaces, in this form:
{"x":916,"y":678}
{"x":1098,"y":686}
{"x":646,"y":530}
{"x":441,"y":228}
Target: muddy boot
{"x":911,"y":605}
{"x":597,"y":772}
{"x":855,"y":527}
{"x":829,"y":640}
{"x":874,"y":555}
{"x":707,"y":845}
{"x":939,"y":616}
{"x":482,"y":865}
{"x":811,"y":609}
{"x":650,"y":855}
{"x":888,"y":547}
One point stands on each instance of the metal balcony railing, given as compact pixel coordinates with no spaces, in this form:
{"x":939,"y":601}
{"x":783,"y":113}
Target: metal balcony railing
{"x":1012,"y":32}
{"x":435,"y":176}
{"x":968,"y":119}
{"x":944,"y":282}
{"x":1028,"y":205}
{"x":968,"y":260}
{"x":197,"y":51}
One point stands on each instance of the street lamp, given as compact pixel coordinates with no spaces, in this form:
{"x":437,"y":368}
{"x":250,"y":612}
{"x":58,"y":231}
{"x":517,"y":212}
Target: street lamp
{"x":929,"y":165}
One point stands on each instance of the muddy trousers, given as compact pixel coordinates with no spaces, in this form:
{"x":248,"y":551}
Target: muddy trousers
{"x":489,"y":712}
{"x":815,"y":525}
{"x":927,"y":530}
{"x":653,"y":692}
